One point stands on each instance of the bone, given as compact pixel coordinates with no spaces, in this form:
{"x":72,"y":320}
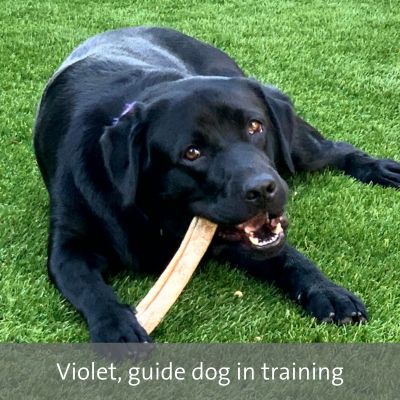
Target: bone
{"x":160,"y":298}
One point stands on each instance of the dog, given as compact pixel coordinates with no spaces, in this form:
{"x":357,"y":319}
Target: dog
{"x":140,"y":130}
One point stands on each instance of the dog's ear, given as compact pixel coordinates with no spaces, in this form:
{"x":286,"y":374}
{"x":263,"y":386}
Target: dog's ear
{"x":280,"y":110}
{"x":121,"y":146}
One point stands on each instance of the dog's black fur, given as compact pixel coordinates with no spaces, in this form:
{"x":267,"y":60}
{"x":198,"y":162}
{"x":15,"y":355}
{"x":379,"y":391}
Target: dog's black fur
{"x":112,"y":130}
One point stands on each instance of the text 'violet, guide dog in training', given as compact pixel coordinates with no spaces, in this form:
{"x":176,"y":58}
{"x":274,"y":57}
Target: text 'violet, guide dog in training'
{"x":142,"y":129}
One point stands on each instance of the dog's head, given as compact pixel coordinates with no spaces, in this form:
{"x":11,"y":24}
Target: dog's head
{"x":209,"y":147}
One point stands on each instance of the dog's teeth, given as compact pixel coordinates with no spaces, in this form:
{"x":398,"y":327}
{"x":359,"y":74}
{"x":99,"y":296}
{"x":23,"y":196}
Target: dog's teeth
{"x":278,"y":229}
{"x":254,"y":240}
{"x":263,"y":242}
{"x":274,"y":238}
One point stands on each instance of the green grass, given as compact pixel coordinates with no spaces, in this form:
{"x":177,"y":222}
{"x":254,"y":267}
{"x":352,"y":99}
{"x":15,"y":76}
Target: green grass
{"x":340,"y":61}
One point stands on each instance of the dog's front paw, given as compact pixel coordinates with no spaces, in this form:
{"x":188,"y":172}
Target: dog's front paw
{"x":332,"y":303}
{"x":119,"y":325}
{"x":382,"y":172}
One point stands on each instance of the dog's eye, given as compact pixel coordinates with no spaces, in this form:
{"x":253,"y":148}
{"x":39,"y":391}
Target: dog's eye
{"x":192,"y":153}
{"x":254,"y":127}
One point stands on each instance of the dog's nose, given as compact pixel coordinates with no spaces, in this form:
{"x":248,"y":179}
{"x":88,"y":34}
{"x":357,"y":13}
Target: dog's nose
{"x":260,"y":189}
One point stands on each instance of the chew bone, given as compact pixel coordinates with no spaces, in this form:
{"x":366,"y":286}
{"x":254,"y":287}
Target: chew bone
{"x":152,"y":309}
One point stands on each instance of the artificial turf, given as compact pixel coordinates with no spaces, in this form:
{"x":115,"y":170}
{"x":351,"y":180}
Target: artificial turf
{"x":340,"y":61}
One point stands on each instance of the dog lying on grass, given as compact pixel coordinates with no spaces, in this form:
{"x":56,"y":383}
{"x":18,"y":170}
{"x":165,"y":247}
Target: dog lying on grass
{"x":142,"y":129}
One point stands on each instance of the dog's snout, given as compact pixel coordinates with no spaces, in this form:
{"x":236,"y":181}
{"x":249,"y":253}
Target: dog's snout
{"x":260,"y":189}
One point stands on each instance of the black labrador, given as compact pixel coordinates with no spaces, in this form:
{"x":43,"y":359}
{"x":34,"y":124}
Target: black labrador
{"x":141,"y":129}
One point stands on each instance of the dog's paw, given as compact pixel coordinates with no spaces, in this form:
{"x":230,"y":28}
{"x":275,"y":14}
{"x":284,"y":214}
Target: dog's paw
{"x":331,"y":303}
{"x":382,"y":172}
{"x":119,"y":325}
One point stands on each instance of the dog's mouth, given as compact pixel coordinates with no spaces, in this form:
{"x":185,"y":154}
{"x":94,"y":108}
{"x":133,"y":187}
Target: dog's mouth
{"x":262,"y":232}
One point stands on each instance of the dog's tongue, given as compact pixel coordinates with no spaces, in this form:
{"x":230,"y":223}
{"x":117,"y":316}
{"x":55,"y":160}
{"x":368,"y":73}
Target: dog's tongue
{"x":254,"y":224}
